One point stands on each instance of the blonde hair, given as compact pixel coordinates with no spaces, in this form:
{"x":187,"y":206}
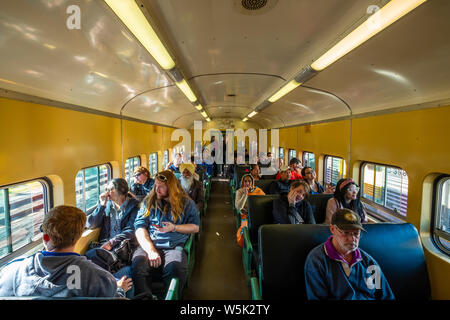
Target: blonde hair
{"x":177,"y":196}
{"x":64,"y":225}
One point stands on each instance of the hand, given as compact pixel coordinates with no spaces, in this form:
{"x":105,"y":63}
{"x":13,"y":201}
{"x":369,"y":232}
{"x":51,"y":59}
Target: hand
{"x":107,"y":246}
{"x":154,"y":259}
{"x":330,"y":189}
{"x":104,"y":197}
{"x":168,"y":227}
{"x":292,"y":198}
{"x":125,"y":283}
{"x":246,"y":191}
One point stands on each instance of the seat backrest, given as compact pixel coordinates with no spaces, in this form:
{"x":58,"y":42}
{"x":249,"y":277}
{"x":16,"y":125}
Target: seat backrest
{"x":319,"y":205}
{"x":264,"y":185}
{"x":259,"y":213}
{"x":396,"y":247}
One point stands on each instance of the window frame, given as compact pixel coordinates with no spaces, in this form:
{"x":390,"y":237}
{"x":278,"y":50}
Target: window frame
{"x":378,"y":211}
{"x":435,"y":216}
{"x":289,"y":154}
{"x":48,"y":203}
{"x":166,"y":153}
{"x":325,"y":167}
{"x":109,"y":177}
{"x":126,"y":172}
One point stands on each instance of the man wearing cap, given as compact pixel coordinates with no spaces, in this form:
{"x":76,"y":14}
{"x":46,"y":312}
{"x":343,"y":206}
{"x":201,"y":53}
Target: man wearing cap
{"x":283,"y":183}
{"x":339,"y":270}
{"x":296,"y":166}
{"x":191,"y":186}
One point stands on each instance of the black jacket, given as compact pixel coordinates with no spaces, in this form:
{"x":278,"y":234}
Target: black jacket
{"x":284,"y":214}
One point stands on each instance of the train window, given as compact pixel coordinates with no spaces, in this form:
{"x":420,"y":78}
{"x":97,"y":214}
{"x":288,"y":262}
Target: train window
{"x":166,"y":158}
{"x":387,"y":187}
{"x":89,"y":184}
{"x":334,"y":169}
{"x":292,"y":154}
{"x":309,"y":160}
{"x":281,"y":153}
{"x":130,"y":165}
{"x":153,"y":164}
{"x":22,"y":210}
{"x":441,"y":232}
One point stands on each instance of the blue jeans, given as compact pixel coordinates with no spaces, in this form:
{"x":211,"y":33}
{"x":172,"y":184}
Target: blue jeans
{"x":125,"y":271}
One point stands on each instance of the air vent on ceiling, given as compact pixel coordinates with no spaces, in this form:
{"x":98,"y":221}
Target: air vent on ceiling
{"x":253,"y":4}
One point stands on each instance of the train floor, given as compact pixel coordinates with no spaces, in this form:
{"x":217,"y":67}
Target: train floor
{"x":218,"y":272}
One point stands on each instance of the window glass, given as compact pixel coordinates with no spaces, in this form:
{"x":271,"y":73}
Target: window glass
{"x":334,"y":169}
{"x":292,"y":154}
{"x":130,"y":165}
{"x":153,"y":163}
{"x":166,"y":158}
{"x":22,"y":210}
{"x":89,"y":184}
{"x":442,"y":214}
{"x":309,"y":160}
{"x":386,"y":186}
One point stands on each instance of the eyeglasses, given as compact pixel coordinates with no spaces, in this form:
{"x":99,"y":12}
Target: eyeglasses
{"x":109,"y":189}
{"x":352,"y":189}
{"x":137,"y":174}
{"x":309,"y":172}
{"x":356,"y":233}
{"x":161,"y":177}
{"x":40,"y":229}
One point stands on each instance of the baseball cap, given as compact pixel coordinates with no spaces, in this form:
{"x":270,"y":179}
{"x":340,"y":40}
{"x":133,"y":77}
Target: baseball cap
{"x":285,"y":168}
{"x":346,"y":219}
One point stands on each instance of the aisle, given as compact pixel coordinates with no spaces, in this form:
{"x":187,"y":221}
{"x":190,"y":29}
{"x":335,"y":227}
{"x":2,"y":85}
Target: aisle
{"x":218,"y":273}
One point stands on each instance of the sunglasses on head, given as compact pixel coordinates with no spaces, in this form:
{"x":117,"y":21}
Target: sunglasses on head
{"x":161,"y":177}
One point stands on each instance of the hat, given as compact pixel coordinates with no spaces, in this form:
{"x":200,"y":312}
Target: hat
{"x":189,"y":166}
{"x":285,"y":168}
{"x":346,"y":219}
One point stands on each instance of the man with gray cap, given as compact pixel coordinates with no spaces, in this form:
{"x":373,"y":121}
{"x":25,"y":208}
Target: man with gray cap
{"x":339,"y":270}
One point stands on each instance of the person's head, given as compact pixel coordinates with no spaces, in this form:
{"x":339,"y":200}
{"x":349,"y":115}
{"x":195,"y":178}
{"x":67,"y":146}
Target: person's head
{"x":167,"y":188}
{"x":117,"y":189}
{"x":187,"y":176}
{"x":269,"y":154}
{"x":280,"y":163}
{"x":141,"y":174}
{"x":295,"y":164}
{"x":346,"y":229}
{"x":301,"y":190}
{"x":178,"y":159}
{"x":308,"y":174}
{"x":255,"y":171}
{"x":285,"y":173}
{"x":346,"y":190}
{"x":62,"y":227}
{"x":247,"y":181}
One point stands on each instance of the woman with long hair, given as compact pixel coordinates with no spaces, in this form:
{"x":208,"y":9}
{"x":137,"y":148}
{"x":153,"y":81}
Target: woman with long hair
{"x":346,"y":196}
{"x":309,"y":175}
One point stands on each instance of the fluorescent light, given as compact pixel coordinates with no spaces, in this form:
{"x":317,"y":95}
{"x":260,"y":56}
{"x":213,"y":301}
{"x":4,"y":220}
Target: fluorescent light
{"x":199,"y":107}
{"x":208,"y":119}
{"x":130,"y":14}
{"x":381,"y":19}
{"x":245,"y":119}
{"x":183,"y":86}
{"x":204,"y":114}
{"x":286,"y":89}
{"x":252,"y":114}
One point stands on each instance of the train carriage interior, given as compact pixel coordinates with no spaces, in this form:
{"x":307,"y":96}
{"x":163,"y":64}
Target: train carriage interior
{"x":92,"y":89}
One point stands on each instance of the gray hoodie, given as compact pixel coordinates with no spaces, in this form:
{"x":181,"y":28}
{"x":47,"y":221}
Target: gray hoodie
{"x":51,"y":274}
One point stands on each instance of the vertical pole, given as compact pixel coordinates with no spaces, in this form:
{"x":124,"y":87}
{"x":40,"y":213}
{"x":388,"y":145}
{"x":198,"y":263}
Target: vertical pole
{"x":7,"y":219}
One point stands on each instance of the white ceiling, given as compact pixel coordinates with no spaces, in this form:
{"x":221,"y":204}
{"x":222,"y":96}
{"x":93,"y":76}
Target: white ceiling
{"x":233,"y":58}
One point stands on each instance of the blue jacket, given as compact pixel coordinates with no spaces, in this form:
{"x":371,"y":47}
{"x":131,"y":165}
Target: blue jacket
{"x":141,"y":190}
{"x":100,"y":218}
{"x":168,"y":240}
{"x":326,"y":279}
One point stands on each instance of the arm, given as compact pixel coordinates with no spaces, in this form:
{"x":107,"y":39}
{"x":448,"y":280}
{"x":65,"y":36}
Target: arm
{"x":241,"y":199}
{"x":315,"y":282}
{"x":331,"y":209}
{"x":147,"y":245}
{"x":95,"y":220}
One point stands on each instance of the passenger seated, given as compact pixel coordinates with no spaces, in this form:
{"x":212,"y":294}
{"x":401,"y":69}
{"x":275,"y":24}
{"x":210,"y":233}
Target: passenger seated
{"x":296,"y":167}
{"x":174,"y":165}
{"x":166,"y":219}
{"x":58,"y":271}
{"x":255,"y":172}
{"x":292,"y":207}
{"x":339,"y":270}
{"x":346,"y":196}
{"x":283,"y":183}
{"x":115,"y":215}
{"x":143,"y":183}
{"x":309,"y":175}
{"x":191,"y":186}
{"x":248,"y":188}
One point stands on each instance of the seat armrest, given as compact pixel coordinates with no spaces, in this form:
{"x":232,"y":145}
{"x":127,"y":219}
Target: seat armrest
{"x":86,"y":238}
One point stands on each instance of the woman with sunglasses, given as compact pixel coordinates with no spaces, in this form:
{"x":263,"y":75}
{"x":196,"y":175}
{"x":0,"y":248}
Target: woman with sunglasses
{"x":143,"y":183}
{"x":346,"y":196}
{"x":165,"y":221}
